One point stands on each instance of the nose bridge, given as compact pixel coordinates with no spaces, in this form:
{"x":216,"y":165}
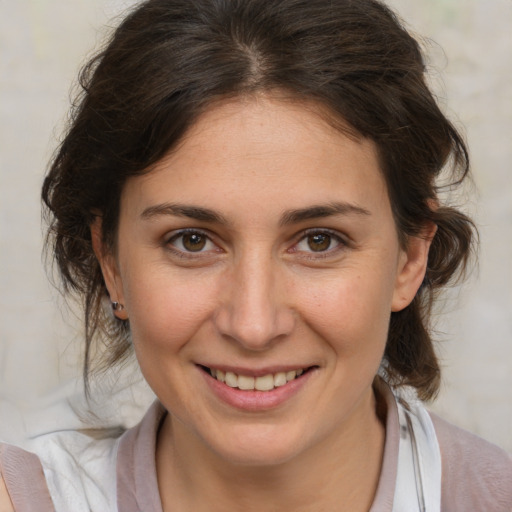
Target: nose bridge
{"x":254,"y":311}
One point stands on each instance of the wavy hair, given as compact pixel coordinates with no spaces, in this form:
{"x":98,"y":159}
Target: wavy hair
{"x":171,"y":59}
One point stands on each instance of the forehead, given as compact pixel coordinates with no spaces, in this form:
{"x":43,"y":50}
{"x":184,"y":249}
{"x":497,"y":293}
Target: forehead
{"x":262,"y":152}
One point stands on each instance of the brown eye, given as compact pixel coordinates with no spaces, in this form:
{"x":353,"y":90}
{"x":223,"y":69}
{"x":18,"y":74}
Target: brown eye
{"x":194,"y":242}
{"x":319,"y":242}
{"x":322,"y":243}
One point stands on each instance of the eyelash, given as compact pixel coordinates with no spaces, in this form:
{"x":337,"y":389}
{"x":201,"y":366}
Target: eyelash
{"x":182,"y":233}
{"x":335,"y":237}
{"x":341,"y":243}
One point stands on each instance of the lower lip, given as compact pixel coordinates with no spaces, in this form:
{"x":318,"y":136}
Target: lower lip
{"x":256,"y":400}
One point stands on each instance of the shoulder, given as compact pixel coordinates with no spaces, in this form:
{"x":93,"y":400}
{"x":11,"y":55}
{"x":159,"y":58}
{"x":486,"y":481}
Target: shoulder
{"x":476,"y":474}
{"x":5,"y":500}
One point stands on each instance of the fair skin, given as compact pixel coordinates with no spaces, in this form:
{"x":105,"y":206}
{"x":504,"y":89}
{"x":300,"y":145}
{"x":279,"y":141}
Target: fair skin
{"x":289,"y":261}
{"x":5,"y":501}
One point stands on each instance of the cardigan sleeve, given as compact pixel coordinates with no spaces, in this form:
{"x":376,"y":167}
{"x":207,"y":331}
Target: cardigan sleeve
{"x":24,"y":478}
{"x":476,"y":475}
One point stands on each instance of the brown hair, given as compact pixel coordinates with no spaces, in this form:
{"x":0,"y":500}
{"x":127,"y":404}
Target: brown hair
{"x":170,"y":59}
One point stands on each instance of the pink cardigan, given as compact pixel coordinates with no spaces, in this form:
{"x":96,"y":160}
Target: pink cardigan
{"x":476,"y":475}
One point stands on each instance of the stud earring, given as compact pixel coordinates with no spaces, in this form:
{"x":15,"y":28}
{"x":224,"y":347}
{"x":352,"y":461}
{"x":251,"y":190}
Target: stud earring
{"x":117,"y":306}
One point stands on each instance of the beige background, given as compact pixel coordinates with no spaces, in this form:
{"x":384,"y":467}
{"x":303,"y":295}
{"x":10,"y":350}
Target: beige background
{"x":42,"y":44}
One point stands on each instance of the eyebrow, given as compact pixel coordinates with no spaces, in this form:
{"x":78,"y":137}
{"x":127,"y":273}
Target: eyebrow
{"x":321,"y":211}
{"x":287,"y":218}
{"x":183,"y":210}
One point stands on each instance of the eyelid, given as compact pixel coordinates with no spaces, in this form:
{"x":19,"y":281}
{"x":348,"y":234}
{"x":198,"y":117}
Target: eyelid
{"x":343,"y":243}
{"x":175,"y":234}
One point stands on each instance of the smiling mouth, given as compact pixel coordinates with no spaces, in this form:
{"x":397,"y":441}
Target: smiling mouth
{"x":263,"y":383}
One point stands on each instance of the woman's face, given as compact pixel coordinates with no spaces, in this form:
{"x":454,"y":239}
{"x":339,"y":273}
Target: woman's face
{"x":262,"y":250}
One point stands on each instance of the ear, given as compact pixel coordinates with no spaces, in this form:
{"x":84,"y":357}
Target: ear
{"x":412,"y":267}
{"x":109,"y":269}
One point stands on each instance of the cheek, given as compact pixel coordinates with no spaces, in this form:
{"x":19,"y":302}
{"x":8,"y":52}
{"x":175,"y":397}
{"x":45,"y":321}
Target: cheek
{"x":166,"y":309}
{"x":351,"y":310}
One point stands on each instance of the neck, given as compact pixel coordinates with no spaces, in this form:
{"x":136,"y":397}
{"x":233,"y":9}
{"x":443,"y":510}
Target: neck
{"x":341,"y":473}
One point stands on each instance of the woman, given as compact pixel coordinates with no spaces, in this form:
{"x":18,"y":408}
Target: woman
{"x":247,"y":197}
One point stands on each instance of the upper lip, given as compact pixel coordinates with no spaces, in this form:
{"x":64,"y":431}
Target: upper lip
{"x":257,"y":372}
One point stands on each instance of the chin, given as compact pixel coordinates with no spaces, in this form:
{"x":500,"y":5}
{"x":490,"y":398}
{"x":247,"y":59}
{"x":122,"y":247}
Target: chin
{"x":259,"y":447}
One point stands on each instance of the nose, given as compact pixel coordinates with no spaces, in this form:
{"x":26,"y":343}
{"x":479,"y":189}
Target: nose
{"x":253,"y":309}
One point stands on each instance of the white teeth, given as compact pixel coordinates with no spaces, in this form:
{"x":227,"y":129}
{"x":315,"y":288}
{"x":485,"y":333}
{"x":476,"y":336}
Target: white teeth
{"x":245,"y":382}
{"x":279,"y":379}
{"x":231,"y":380}
{"x":263,"y":383}
{"x":291,"y":375}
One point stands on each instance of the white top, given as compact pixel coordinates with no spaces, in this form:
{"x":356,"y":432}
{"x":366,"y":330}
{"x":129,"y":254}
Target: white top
{"x":80,"y":471}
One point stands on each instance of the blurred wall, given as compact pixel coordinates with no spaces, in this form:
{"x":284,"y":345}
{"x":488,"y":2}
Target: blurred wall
{"x":43,"y":43}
